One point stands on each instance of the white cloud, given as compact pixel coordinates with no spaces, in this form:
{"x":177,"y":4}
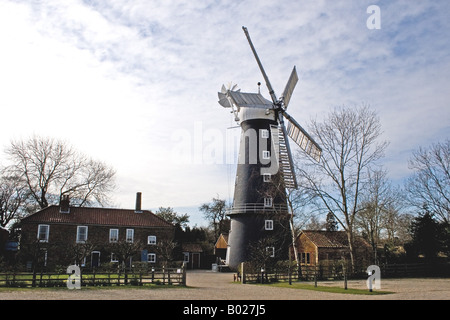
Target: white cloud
{"x":118,"y":78}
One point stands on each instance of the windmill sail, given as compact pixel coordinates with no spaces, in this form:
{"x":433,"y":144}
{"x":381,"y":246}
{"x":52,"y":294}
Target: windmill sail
{"x":302,"y":138}
{"x":283,"y":155}
{"x":290,"y":85}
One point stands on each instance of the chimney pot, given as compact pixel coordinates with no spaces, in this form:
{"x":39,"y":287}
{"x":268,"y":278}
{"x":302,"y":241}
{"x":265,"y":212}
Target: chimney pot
{"x":64,"y":204}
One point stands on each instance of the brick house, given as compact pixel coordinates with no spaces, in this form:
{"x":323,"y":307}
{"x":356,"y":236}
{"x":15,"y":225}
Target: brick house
{"x":319,"y":247}
{"x":57,"y":235}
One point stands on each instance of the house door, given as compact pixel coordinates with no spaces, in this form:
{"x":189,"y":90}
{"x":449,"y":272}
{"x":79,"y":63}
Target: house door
{"x":95,"y":259}
{"x":195,"y":260}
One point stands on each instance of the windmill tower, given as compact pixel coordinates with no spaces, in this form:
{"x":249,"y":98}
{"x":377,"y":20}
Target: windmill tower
{"x":265,"y":169}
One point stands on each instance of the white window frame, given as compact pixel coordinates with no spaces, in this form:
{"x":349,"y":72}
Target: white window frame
{"x":264,"y":133}
{"x":111,"y":238}
{"x":114,"y":257}
{"x":186,"y":257}
{"x":78,"y":240}
{"x":151,"y":240}
{"x":151,"y":257}
{"x":46,"y":233}
{"x":130,"y":235}
{"x":268,"y":224}
{"x":268,"y":202}
{"x":266,"y":154}
{"x":271,"y":251}
{"x":267,"y":177}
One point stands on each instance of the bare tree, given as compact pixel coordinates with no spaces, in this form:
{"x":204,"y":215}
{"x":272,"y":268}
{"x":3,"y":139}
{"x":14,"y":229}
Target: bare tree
{"x":51,"y":168}
{"x":379,"y":209}
{"x":13,"y":195}
{"x":430,"y":184}
{"x":348,"y":137}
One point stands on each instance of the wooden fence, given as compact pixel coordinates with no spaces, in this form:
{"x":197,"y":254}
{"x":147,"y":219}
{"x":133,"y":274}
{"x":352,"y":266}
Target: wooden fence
{"x":163,"y":276}
{"x":249,"y":274}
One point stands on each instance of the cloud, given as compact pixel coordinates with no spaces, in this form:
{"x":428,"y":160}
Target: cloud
{"x":120,"y":79}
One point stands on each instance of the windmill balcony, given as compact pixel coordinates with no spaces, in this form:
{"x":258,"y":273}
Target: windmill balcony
{"x":257,"y":208}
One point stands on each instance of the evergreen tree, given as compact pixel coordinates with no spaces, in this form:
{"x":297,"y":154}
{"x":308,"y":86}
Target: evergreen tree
{"x":332,"y":224}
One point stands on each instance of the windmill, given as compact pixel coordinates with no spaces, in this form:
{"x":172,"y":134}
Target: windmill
{"x":265,"y":163}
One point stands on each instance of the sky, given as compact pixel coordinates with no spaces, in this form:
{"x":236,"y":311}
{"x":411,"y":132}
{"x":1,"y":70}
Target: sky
{"x":134,"y":83}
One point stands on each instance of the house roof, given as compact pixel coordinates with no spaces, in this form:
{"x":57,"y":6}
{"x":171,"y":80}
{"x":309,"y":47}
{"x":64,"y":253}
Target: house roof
{"x":97,"y":216}
{"x":332,"y":239}
{"x":222,"y":241}
{"x":191,"y":247}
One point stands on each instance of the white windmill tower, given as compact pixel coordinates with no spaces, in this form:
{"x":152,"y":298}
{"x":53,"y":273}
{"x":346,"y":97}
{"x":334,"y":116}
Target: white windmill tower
{"x":265,"y":162}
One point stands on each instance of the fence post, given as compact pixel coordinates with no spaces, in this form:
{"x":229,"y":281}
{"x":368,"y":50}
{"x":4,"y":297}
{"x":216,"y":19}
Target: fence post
{"x":184,"y":274}
{"x":242,"y":273}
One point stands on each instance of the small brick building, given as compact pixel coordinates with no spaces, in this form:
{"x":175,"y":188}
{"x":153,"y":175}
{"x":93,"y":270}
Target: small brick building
{"x":316,"y":247}
{"x":55,"y":233}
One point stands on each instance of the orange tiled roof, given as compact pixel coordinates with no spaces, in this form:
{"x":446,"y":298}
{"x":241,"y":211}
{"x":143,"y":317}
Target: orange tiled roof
{"x":331,"y":239}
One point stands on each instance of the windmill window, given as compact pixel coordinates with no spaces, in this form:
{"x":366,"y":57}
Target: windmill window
{"x":264,"y":133}
{"x":268,"y":225}
{"x":267,"y":202}
{"x":270,"y":251}
{"x":267,"y":177}
{"x":43,"y":232}
{"x":266,"y":154}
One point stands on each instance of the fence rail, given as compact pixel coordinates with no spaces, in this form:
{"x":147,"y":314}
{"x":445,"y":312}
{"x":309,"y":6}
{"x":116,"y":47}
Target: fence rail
{"x":338,"y":272}
{"x":163,"y":276}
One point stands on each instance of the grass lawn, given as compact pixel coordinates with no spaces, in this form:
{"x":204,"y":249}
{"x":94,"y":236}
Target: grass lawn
{"x":304,"y":286}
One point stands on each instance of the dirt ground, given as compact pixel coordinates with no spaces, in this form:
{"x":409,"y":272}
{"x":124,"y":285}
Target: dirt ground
{"x":208,"y":285}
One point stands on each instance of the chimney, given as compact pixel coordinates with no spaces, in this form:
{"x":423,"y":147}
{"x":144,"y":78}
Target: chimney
{"x":64,"y":204}
{"x":138,"y":202}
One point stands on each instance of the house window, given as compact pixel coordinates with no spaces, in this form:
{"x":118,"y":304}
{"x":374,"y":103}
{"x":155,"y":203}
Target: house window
{"x":151,"y":240}
{"x":266,"y":154}
{"x":264,"y":133}
{"x":151,"y":257}
{"x":267,"y":202}
{"x":267,"y":177}
{"x":186,"y":257}
{"x":130,"y":235}
{"x":114,"y":257}
{"x":305,"y":258}
{"x":113,"y":235}
{"x":82,"y":234}
{"x":268,"y":225}
{"x":270,"y":251}
{"x":43,"y":231}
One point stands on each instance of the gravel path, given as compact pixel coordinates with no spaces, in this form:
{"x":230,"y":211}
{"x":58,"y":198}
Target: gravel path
{"x":207,"y":285}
